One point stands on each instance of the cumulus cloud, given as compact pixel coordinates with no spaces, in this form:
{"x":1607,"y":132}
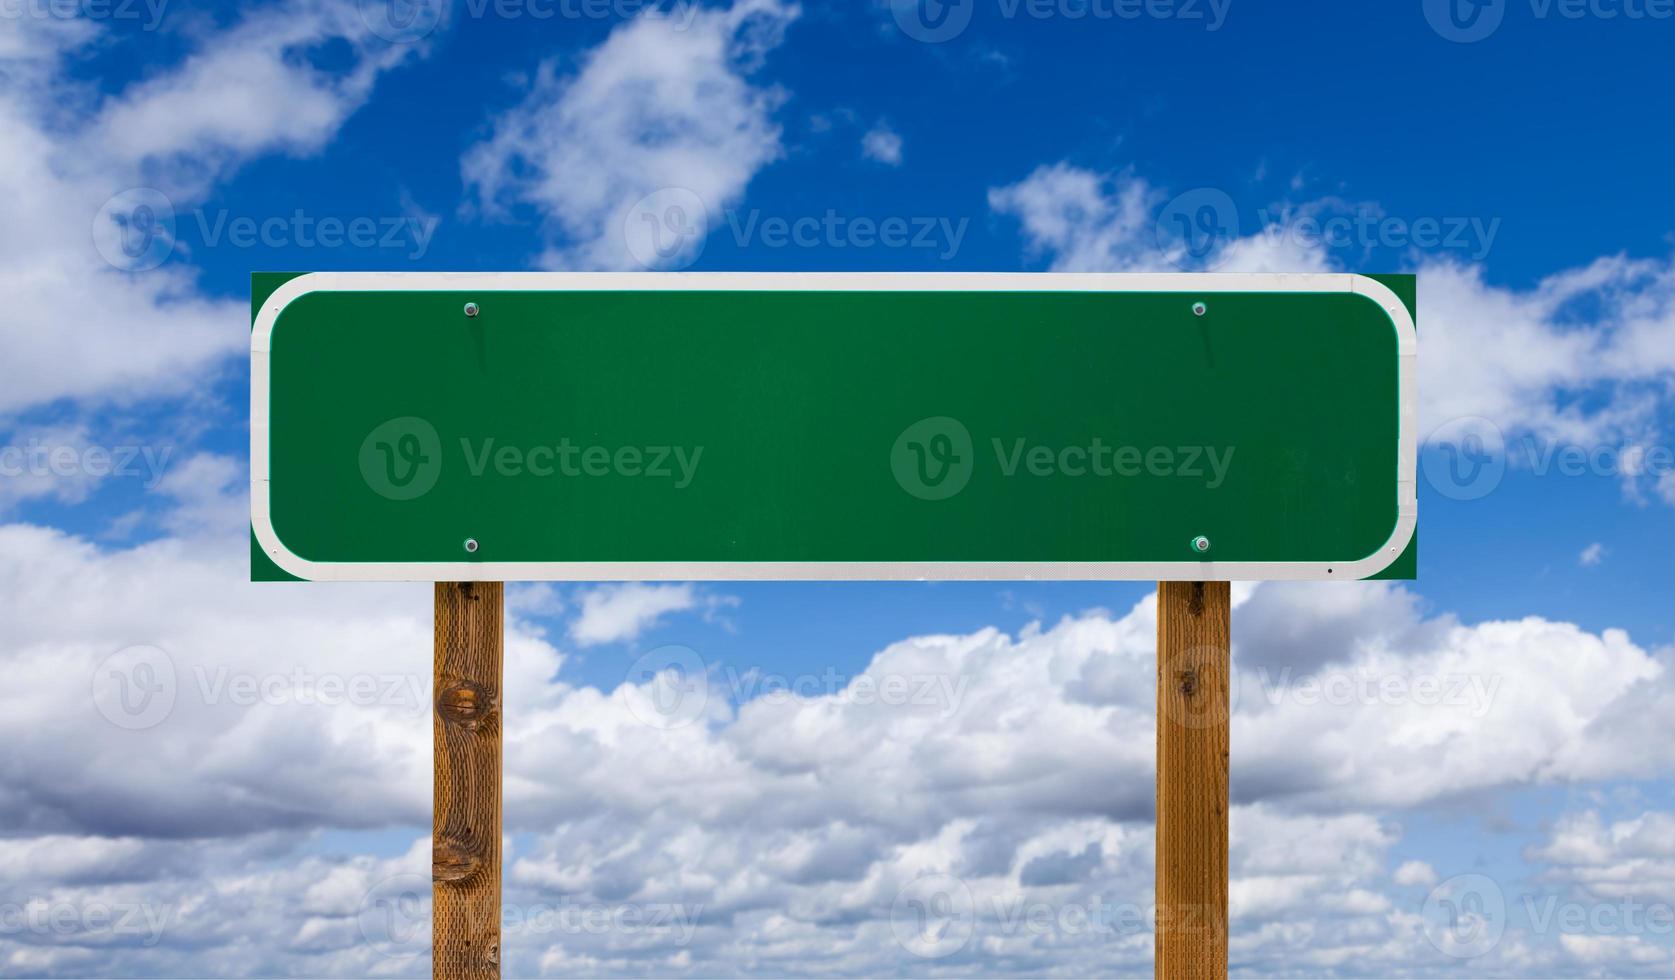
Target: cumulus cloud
{"x":1084,"y":221}
{"x":249,"y":90}
{"x":619,"y":613}
{"x":1415,"y":873}
{"x":665,"y":106}
{"x":92,"y":185}
{"x":1582,"y":357}
{"x":775,"y":835}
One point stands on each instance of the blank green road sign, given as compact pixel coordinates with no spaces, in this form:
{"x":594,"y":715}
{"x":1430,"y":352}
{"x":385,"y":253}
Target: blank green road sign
{"x":524,"y":426}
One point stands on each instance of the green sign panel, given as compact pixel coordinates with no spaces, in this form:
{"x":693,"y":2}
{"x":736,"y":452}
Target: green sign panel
{"x":527,"y":426}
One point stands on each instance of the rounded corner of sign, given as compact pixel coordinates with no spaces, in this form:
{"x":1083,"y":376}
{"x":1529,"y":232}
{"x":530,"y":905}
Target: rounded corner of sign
{"x":1401,"y":537}
{"x":261,"y":337}
{"x":1387,"y":300}
{"x":277,"y":551}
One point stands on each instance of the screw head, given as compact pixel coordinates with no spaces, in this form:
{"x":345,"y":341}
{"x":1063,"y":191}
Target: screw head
{"x":471,"y":545}
{"x":1201,"y":544}
{"x":1200,"y":308}
{"x":471,"y":309}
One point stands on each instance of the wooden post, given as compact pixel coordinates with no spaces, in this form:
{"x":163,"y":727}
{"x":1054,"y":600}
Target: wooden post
{"x":465,"y":833}
{"x":1193,"y":670}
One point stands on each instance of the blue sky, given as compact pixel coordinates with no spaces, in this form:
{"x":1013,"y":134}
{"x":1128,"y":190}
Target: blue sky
{"x":1522,"y":175}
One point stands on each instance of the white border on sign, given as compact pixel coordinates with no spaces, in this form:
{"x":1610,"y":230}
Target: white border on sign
{"x":1195,"y":284}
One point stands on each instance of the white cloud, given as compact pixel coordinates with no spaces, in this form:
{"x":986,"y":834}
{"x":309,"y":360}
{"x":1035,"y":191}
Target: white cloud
{"x":1585,"y":356}
{"x":1593,"y":554}
{"x":245,"y":91}
{"x":788,"y":825}
{"x":883,"y":144}
{"x":663,"y":105}
{"x":1085,"y":221}
{"x":1415,"y":873}
{"x":76,"y":326}
{"x":1608,"y":951}
{"x":46,"y":462}
{"x":616,"y":613}
{"x":1629,"y":858}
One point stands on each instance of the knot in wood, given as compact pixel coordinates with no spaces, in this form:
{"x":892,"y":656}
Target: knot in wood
{"x":465,"y":704}
{"x":1188,"y":680}
{"x":454,"y":860}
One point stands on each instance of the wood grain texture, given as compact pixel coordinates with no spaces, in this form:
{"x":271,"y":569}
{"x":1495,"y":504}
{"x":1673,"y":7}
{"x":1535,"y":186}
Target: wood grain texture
{"x":465,"y":834}
{"x":1193,"y":667}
